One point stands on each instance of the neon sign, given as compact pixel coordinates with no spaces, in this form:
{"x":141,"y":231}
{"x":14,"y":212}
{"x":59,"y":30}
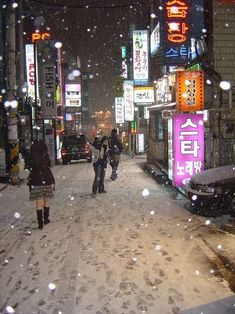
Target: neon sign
{"x":40,"y":36}
{"x":176,"y":32}
{"x":188,"y":147}
{"x":190,"y":91}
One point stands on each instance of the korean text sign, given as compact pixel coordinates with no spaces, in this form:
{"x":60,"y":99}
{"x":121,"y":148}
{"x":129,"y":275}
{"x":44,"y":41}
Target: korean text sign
{"x":190,"y":91}
{"x":140,"y":55}
{"x":119,"y":110}
{"x":176,"y":31}
{"x":188,"y":133}
{"x":128,"y":100}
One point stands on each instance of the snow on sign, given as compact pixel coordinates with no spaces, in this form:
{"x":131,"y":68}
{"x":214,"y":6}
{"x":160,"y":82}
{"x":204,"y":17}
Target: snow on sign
{"x":188,"y":147}
{"x":144,"y":94}
{"x":119,"y":109}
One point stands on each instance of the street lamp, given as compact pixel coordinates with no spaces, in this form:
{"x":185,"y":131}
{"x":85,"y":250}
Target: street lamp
{"x":226,"y":86}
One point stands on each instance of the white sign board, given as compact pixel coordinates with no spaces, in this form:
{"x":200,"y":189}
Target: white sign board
{"x":128,"y":90}
{"x":30,"y":69}
{"x":140,"y":55}
{"x":119,"y":109}
{"x":144,"y":95}
{"x":155,"y":40}
{"x":146,"y":113}
{"x":73,"y":95}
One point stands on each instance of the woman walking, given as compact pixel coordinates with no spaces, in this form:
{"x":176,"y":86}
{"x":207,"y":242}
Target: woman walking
{"x":41,"y":180}
{"x":100,"y":151}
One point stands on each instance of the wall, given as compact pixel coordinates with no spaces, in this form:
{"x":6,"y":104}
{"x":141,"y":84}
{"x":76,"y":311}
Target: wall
{"x":222,"y":118}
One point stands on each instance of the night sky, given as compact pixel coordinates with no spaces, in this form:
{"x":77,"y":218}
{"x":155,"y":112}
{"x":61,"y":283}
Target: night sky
{"x":94,"y":33}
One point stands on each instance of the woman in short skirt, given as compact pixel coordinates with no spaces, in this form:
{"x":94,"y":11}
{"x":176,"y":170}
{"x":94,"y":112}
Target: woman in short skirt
{"x":41,"y":180}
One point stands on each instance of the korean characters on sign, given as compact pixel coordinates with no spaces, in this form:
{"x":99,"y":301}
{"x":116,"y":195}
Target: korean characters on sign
{"x":188,"y":130}
{"x":30,"y":68}
{"x":140,"y":55}
{"x":176,"y":31}
{"x":190,"y":91}
{"x":119,"y":110}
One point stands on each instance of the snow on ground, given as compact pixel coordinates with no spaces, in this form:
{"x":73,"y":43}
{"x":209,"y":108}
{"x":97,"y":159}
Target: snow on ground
{"x":126,"y":251}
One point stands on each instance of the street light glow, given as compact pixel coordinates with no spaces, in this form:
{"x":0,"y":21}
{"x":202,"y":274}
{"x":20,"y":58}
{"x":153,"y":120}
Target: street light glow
{"x":58,"y":44}
{"x":225,"y":85}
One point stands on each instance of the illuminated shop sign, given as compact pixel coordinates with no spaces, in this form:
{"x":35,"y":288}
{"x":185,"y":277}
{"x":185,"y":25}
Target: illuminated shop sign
{"x":30,"y":69}
{"x":144,"y":94}
{"x":73,"y":95}
{"x":175,"y":32}
{"x":188,"y":130}
{"x":40,"y":36}
{"x":119,"y":110}
{"x":155,"y":40}
{"x":128,"y":100}
{"x":140,"y":56}
{"x":190,"y":90}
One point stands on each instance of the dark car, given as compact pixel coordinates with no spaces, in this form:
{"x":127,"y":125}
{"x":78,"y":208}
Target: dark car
{"x":75,"y":148}
{"x":212,"y":191}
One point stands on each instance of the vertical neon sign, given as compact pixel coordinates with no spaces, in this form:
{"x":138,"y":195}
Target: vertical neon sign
{"x":176,"y":31}
{"x":188,"y":147}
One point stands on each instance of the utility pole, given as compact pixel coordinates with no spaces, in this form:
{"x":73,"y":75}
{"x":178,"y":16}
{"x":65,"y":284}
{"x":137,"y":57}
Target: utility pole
{"x":11,"y":103}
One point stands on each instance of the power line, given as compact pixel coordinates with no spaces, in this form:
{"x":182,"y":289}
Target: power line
{"x":85,"y":6}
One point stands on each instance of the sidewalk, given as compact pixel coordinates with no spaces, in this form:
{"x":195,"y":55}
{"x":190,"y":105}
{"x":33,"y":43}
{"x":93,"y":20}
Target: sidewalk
{"x":218,"y":244}
{"x":23,"y":176}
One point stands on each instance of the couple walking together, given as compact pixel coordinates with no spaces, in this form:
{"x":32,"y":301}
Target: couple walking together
{"x":107,"y":148}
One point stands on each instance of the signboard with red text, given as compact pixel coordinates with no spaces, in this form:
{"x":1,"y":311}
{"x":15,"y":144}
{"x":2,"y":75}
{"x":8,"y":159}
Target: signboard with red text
{"x":30,"y":69}
{"x":188,"y":147}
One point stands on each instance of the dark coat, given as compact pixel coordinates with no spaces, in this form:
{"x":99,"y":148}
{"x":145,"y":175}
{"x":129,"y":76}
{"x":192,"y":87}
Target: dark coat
{"x":40,"y":163}
{"x":115,"y":145}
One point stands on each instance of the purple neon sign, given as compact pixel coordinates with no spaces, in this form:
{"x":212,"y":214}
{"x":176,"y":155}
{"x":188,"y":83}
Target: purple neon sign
{"x":188,"y":147}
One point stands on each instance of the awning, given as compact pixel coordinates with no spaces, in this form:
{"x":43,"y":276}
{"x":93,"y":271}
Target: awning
{"x":159,"y":107}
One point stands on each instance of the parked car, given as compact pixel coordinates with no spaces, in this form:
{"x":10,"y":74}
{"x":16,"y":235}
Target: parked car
{"x":75,"y":148}
{"x":212,"y":191}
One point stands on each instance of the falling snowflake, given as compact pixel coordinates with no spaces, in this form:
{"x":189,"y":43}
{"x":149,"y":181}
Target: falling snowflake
{"x":158,"y":247}
{"x":51,"y":286}
{"x":17,"y":215}
{"x":10,"y":309}
{"x":145,"y":192}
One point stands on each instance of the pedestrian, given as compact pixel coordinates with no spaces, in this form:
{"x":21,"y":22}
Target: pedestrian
{"x":100,"y":153}
{"x":41,"y":180}
{"x":116,"y":148}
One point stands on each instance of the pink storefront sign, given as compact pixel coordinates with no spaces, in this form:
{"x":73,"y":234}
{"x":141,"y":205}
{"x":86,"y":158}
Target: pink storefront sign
{"x":188,"y":147}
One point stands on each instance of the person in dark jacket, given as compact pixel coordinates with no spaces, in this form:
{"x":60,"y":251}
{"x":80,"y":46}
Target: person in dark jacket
{"x":100,"y":151}
{"x":41,"y":180}
{"x":115,"y":147}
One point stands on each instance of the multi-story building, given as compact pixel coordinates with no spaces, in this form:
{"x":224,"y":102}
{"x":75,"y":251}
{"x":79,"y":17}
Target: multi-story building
{"x":212,"y":52}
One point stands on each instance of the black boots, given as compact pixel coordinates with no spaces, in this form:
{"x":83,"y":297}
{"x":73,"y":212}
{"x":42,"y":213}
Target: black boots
{"x":40,"y":221}
{"x":46,"y":215}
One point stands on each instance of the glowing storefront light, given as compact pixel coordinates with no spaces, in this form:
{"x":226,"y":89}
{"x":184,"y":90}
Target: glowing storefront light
{"x":188,"y":147}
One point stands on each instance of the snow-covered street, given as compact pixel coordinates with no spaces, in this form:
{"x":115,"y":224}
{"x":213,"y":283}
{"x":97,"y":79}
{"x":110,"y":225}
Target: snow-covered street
{"x":133,"y":250}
